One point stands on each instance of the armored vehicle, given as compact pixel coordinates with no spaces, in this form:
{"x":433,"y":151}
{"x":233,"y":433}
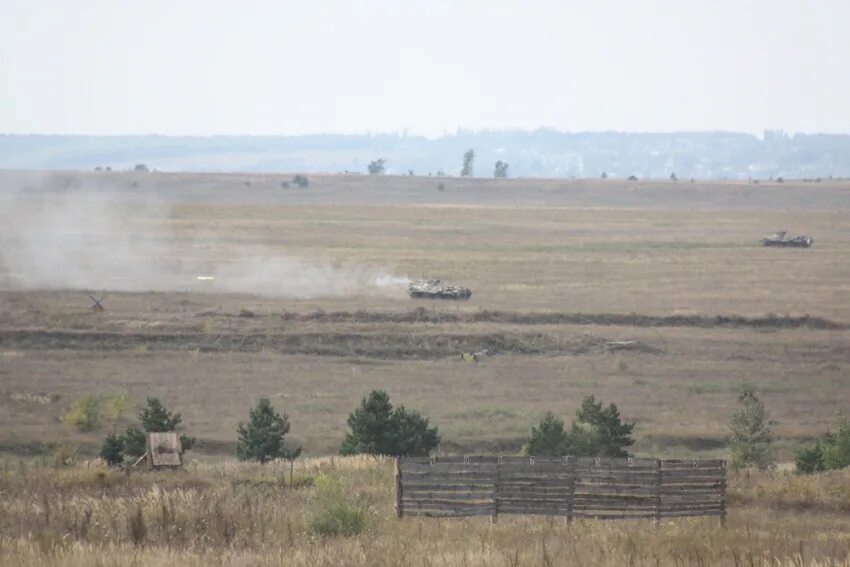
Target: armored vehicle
{"x":434,"y":289}
{"x":782,"y":239}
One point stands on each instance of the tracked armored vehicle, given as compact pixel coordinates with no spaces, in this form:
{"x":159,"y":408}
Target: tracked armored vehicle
{"x":782,"y":239}
{"x":434,"y":289}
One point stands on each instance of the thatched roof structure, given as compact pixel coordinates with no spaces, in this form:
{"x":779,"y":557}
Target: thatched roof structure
{"x":164,"y":450}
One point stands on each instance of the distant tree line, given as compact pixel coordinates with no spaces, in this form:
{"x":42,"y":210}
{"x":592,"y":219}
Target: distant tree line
{"x":376,"y":427}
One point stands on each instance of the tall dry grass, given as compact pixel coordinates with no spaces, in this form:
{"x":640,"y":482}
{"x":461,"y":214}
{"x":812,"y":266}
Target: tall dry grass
{"x":239,"y":514}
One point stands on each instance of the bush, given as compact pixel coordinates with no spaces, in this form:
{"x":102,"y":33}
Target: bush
{"x":135,"y":441}
{"x":301,"y":181}
{"x":596,"y":431}
{"x":832,"y":451}
{"x":547,"y":439}
{"x":334,"y":514}
{"x":156,"y":418}
{"x":378,"y":429}
{"x":262,"y":438}
{"x":84,"y":413}
{"x":751,"y":439}
{"x":377,"y":167}
{"x":112,"y":450}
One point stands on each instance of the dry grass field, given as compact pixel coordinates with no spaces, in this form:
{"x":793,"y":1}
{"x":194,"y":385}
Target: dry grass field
{"x":558,"y":269}
{"x":236,"y":514}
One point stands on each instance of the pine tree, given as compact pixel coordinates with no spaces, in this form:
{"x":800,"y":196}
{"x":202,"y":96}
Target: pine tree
{"x":135,"y":441}
{"x":547,"y":439}
{"x":468,"y":162}
{"x":156,"y":418}
{"x":596,"y":432}
{"x":261,"y":439}
{"x":609,"y":433}
{"x":112,"y":450}
{"x":751,"y":437}
{"x":377,"y":429}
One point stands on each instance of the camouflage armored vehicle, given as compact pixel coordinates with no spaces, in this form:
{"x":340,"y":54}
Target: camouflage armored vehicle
{"x":781,"y":239}
{"x":434,"y":289}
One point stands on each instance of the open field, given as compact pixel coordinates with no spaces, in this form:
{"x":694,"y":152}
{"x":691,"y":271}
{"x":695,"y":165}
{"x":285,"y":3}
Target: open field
{"x":558,"y":269}
{"x":237,"y":514}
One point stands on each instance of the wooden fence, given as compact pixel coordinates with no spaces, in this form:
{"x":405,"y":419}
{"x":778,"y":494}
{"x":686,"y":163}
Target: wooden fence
{"x":600,"y":488}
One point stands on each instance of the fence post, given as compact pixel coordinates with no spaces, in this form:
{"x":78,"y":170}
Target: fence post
{"x":723,"y":498}
{"x":496,"y":487}
{"x":571,"y":488}
{"x":657,"y":519}
{"x":399,"y":507}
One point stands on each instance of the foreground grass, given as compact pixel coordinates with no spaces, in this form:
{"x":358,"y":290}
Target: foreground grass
{"x":237,"y":514}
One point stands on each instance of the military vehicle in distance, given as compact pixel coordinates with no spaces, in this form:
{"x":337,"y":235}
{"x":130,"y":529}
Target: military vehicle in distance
{"x":434,"y":289}
{"x":781,"y":239}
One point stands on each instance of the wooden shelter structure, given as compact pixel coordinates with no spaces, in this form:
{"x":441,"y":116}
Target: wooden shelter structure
{"x":164,"y":450}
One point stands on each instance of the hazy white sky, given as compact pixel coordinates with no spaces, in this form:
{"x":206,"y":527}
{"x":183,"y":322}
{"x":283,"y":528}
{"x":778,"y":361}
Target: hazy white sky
{"x":287,"y":67}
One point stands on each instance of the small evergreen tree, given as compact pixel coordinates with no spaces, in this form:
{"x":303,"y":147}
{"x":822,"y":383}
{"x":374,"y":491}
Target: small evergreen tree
{"x":832,"y":451}
{"x":500,"y":170}
{"x":156,"y":418}
{"x":135,"y":441}
{"x":411,"y":434}
{"x":261,"y":439}
{"x":836,"y":447}
{"x":377,"y":167}
{"x":810,"y":459}
{"x":112,"y":450}
{"x":609,"y":435}
{"x":596,"y":432}
{"x":547,"y":439}
{"x":377,"y":429}
{"x":751,"y":438}
{"x":468,"y":162}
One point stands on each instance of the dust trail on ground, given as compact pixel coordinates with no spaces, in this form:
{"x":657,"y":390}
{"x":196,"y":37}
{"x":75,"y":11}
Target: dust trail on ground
{"x":104,"y":240}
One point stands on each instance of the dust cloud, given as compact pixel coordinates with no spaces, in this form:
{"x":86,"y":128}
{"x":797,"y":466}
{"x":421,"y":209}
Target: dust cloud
{"x":97,"y":240}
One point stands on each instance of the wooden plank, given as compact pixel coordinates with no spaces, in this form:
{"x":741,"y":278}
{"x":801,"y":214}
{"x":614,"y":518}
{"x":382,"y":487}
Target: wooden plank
{"x":447,"y":513}
{"x":425,"y":495}
{"x":635,"y":516}
{"x":535,"y":482}
{"x":443,"y":485}
{"x":676,"y":475}
{"x":615,"y":489}
{"x":683,"y":514}
{"x":447,"y":505}
{"x":508,"y":493}
{"x":613,"y":473}
{"x":449,"y":469}
{"x":647,"y":507}
{"x":399,"y":489}
{"x":533,"y":512}
{"x":461,"y":477}
{"x":701,"y":463}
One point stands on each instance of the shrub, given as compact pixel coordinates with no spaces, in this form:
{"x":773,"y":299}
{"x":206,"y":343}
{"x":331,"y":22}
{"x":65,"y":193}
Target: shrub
{"x":378,"y":429}
{"x":84,"y":413}
{"x":751,"y":439}
{"x":468,"y":162}
{"x":832,"y":451}
{"x":500,"y":170}
{"x":301,"y":181}
{"x":156,"y":418}
{"x":135,"y":441}
{"x":377,"y":167}
{"x":65,"y":455}
{"x":112,"y":450}
{"x":333,"y":513}
{"x":547,"y":439}
{"x":262,"y":438}
{"x":596,"y":431}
